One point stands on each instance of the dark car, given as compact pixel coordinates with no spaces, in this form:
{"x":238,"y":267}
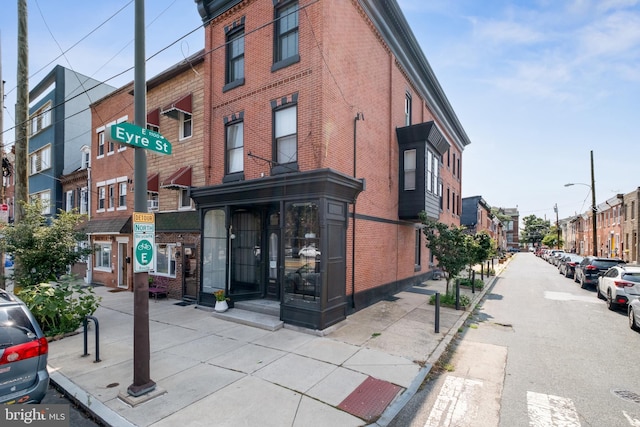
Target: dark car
{"x":23,"y":353}
{"x":590,"y":268}
{"x":567,"y":264}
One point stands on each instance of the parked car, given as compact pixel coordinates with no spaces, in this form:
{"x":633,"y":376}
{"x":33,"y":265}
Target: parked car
{"x":23,"y":353}
{"x":567,"y":265}
{"x":613,"y":284}
{"x":590,"y":268}
{"x":555,"y":256}
{"x":633,"y":310}
{"x":309,"y":252}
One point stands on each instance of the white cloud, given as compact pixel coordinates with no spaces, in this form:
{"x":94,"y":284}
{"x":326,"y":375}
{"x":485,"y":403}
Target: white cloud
{"x":508,"y":32}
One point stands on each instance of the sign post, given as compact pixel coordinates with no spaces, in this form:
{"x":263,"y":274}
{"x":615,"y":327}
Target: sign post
{"x":144,"y":230}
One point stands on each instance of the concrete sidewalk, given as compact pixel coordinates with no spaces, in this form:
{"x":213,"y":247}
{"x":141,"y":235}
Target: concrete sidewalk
{"x":213,"y":372}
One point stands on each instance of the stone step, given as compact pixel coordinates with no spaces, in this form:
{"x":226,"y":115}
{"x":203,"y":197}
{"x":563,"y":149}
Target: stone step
{"x":272,"y":308}
{"x":251,"y":318}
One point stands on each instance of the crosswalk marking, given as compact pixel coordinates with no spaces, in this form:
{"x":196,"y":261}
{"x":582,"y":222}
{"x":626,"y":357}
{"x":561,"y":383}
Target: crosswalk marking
{"x":454,"y":403}
{"x":547,"y":410}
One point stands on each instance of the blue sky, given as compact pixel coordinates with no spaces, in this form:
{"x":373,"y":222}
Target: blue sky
{"x":537,"y":85}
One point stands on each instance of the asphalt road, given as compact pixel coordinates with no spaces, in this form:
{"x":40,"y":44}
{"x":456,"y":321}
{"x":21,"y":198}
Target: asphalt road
{"x":538,"y":351}
{"x":77,"y":418}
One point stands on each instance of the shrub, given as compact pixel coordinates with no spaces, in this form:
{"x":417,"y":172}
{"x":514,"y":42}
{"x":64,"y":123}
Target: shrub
{"x":449,"y":300}
{"x":479,"y":284}
{"x":59,"y":307}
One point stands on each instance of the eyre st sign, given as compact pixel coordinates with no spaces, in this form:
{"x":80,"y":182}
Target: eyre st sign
{"x":136,"y":136}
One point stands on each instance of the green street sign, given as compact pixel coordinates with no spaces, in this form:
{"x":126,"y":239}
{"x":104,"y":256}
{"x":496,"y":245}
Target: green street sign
{"x":136,"y":136}
{"x":144,"y":253}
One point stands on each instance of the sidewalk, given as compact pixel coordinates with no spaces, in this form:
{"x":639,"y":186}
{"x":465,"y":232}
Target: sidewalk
{"x":212,"y":372}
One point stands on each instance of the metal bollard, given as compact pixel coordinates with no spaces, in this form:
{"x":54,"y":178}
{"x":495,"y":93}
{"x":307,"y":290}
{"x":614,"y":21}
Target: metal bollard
{"x":482,"y":271}
{"x":473,"y":282}
{"x":437,"y":321}
{"x":85,"y":323}
{"x":457,"y":294}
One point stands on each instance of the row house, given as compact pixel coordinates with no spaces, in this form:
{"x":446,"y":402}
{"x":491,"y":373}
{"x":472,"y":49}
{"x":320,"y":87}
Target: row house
{"x":512,"y":227}
{"x":609,"y":231}
{"x":631,"y":219}
{"x":326,"y":132}
{"x":175,"y":108}
{"x":476,"y":216}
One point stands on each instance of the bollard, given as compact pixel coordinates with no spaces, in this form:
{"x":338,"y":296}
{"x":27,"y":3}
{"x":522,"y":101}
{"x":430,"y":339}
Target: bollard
{"x":457,"y":294}
{"x":437,"y":321}
{"x":482,"y":271}
{"x":95,"y":321}
{"x":473,"y":282}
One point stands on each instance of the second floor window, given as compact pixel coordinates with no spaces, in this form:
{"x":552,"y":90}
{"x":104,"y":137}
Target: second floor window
{"x":84,"y":201}
{"x":235,"y":147}
{"x":122,"y":195}
{"x":100,"y":144}
{"x":101,"y":197}
{"x":286,"y":36}
{"x":185,"y":125}
{"x":286,"y":138}
{"x":410,"y":170}
{"x":41,"y":119}
{"x":112,"y":196}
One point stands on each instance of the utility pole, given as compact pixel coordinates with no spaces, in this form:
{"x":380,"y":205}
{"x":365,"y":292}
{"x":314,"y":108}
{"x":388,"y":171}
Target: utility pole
{"x":142,"y":383}
{"x":594,"y":209}
{"x":2,"y":282}
{"x":22,"y":115}
{"x":555,"y":208}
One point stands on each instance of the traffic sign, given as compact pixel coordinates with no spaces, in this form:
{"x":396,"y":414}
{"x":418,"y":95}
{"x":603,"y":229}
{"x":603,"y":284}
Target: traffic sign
{"x":4,"y":207}
{"x":144,"y":231}
{"x":136,"y":136}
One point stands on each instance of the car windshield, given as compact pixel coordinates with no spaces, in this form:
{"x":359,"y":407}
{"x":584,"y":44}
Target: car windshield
{"x":15,"y":327}
{"x":631,"y":277}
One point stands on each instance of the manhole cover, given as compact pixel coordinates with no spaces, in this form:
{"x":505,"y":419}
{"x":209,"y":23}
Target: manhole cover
{"x":627,"y":395}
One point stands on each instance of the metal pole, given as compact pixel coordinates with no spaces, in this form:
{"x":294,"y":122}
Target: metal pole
{"x":457,"y":294}
{"x":594,"y":209}
{"x":437,"y":320}
{"x":555,"y":208}
{"x":21,"y":189}
{"x":142,"y":382}
{"x":473,"y":282}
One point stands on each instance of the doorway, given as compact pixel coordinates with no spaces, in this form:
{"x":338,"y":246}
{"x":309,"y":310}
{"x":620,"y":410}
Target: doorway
{"x":273,"y":264}
{"x":190,"y":273}
{"x":123,"y":260}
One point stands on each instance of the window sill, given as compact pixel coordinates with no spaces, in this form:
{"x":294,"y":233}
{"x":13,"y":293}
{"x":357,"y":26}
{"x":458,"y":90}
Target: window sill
{"x":232,"y":85}
{"x":103,"y":269}
{"x":122,"y":208}
{"x":285,"y":63}
{"x":233,"y":177}
{"x":99,"y":210}
{"x":285,"y":168}
{"x":417,"y":268}
{"x":184,"y":138}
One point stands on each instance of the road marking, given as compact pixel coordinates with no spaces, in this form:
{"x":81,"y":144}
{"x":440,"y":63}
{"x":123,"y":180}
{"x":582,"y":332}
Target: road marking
{"x":454,"y":405}
{"x":565,"y":296}
{"x":632,"y":421}
{"x":546,"y":410}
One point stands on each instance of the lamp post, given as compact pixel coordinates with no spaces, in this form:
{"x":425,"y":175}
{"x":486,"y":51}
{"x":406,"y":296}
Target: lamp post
{"x":594,"y":208}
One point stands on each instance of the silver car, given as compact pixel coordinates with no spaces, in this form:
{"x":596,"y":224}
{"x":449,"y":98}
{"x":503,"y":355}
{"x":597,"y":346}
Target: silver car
{"x":618,"y":284}
{"x":633,"y":310}
{"x":23,"y":353}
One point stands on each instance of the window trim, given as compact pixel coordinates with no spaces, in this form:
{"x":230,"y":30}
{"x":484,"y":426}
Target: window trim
{"x":183,"y":121}
{"x":407,"y":172}
{"x":37,"y":157}
{"x":292,"y":166}
{"x":184,"y":192}
{"x":232,"y":36}
{"x":279,"y":61}
{"x":99,"y":248}
{"x":227,"y":150}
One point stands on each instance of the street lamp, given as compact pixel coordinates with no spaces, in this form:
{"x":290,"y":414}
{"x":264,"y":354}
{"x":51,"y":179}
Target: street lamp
{"x":594,"y":208}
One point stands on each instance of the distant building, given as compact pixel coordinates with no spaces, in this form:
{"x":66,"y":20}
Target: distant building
{"x":631,"y":219}
{"x":512,"y":227}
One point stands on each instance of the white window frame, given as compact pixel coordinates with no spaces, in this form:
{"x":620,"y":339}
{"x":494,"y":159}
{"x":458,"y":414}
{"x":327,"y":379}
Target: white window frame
{"x":286,"y":132}
{"x":85,"y":157}
{"x":45,"y":199}
{"x":171,"y":260}
{"x":102,"y":198}
{"x":101,"y":147}
{"x":111,"y":196}
{"x":410,"y":169}
{"x":186,"y":126}
{"x":153,"y":202}
{"x":41,"y":119}
{"x":122,"y":195}
{"x":102,"y":249}
{"x":69,"y":201}
{"x":183,"y":197}
{"x":235,"y":147}
{"x":40,"y":160}
{"x":84,"y":200}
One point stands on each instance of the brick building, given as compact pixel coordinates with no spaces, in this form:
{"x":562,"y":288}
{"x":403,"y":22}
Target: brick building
{"x":175,"y":109}
{"x":326,"y":133}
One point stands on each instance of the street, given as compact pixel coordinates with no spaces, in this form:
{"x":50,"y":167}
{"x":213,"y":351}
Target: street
{"x":77,"y":417}
{"x":538,"y":351}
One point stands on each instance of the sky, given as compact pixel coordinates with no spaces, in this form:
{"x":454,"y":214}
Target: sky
{"x":537,"y":85}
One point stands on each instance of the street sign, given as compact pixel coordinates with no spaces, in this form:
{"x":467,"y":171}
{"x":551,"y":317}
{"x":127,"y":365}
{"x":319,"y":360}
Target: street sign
{"x":136,"y":136}
{"x":144,"y":232}
{"x":4,"y":207}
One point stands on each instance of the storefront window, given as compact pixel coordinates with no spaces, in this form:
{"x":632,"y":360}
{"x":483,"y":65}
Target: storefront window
{"x":214,"y":251}
{"x":303,"y":277}
{"x":165,"y":259}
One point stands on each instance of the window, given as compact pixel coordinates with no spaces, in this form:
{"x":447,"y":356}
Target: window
{"x":235,"y":56}
{"x":235,"y":147}
{"x":214,"y":251}
{"x":286,"y":136}
{"x":101,"y":197}
{"x":185,"y":200}
{"x":429,"y":171}
{"x":45,"y":200}
{"x":122,"y":195}
{"x":153,"y":128}
{"x":407,"y":109}
{"x":433,"y":164}
{"x":69,"y":201}
{"x":301,"y":235}
{"x":112,"y":196}
{"x":40,"y":160}
{"x":165,"y":259}
{"x":110,"y":147}
{"x":185,"y":125}
{"x":100,"y":143}
{"x":409,"y":170}
{"x":41,"y":118}
{"x":85,"y":158}
{"x":286,"y":36}
{"x":103,"y":256}
{"x":84,"y":200}
{"x":152,"y":201}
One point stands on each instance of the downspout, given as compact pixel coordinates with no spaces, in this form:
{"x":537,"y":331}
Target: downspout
{"x":359,"y":116}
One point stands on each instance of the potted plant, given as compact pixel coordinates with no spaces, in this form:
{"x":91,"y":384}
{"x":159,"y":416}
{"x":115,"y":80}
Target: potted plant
{"x":221,"y":301}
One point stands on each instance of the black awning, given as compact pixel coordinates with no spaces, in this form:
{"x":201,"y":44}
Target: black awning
{"x":118,"y":225}
{"x":423,"y":132}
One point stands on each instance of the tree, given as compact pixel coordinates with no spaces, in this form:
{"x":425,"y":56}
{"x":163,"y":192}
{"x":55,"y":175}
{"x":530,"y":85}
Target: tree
{"x":551,"y":239}
{"x":450,"y":245}
{"x":535,"y":229}
{"x":483,"y":248}
{"x":44,"y":247}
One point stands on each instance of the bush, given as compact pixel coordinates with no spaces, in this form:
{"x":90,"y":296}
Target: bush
{"x":449,"y":300}
{"x":479,"y":284}
{"x":61,"y":307}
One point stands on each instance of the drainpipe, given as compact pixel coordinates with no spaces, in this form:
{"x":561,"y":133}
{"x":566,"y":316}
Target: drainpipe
{"x":359,"y":116}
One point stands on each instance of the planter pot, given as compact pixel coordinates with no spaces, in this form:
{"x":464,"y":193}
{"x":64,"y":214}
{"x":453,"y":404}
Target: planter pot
{"x":221,"y":306}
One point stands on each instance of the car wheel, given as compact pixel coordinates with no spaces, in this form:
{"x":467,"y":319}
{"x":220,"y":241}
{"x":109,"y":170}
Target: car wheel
{"x":610,"y":304}
{"x":584,"y":286}
{"x":598,"y":294}
{"x":632,"y":320}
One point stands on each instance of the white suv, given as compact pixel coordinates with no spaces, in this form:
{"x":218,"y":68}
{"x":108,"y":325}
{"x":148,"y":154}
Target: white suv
{"x":617,"y":284}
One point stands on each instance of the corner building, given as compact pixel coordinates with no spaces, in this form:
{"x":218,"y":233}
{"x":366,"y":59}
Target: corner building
{"x":326,"y":133}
